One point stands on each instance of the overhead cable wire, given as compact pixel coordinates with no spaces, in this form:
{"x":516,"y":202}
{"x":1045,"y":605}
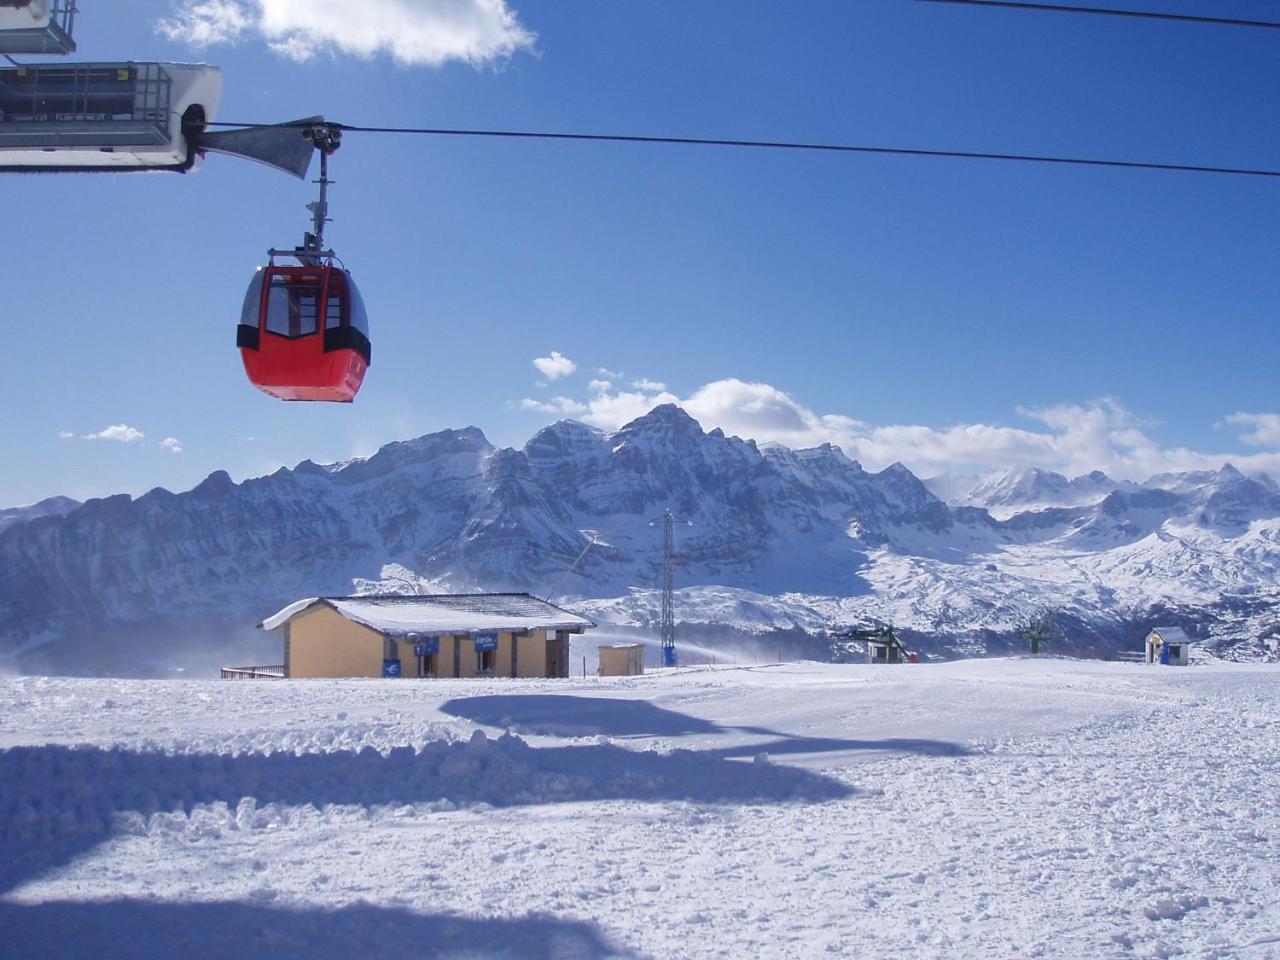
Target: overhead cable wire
{"x":785,"y":145}
{"x":1104,"y":12}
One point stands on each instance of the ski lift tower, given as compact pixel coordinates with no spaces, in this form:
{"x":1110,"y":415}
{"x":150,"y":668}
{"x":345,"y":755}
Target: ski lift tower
{"x":121,"y":116}
{"x":668,"y":630}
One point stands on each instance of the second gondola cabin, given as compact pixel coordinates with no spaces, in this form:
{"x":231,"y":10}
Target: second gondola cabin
{"x":304,"y":333}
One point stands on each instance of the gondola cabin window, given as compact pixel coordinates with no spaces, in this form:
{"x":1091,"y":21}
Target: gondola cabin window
{"x":292,"y":308}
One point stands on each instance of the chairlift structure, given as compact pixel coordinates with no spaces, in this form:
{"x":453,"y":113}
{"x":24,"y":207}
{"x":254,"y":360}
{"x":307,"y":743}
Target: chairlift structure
{"x":119,"y":116}
{"x":37,"y":26}
{"x":881,"y":642}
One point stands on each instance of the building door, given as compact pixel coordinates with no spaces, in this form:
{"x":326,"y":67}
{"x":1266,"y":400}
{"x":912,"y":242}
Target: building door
{"x":558,"y":656}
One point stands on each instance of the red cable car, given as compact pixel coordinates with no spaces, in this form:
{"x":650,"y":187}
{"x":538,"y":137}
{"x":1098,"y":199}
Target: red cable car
{"x":304,"y":333}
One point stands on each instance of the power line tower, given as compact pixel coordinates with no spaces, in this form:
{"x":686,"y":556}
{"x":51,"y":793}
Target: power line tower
{"x":668,"y":630}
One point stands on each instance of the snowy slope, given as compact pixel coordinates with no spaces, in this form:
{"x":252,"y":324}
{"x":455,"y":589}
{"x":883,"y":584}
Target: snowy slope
{"x":107,"y":586}
{"x":988,"y":808}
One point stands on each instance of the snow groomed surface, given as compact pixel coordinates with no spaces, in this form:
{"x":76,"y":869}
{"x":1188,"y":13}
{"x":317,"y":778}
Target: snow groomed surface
{"x":1000,"y":808}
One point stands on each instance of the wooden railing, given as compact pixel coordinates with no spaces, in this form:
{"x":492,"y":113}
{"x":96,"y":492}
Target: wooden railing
{"x":269,"y":672}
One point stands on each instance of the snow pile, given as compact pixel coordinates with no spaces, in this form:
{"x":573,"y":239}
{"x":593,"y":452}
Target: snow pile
{"x":55,"y":789}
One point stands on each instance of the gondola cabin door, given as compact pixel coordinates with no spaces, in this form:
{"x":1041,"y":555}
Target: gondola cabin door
{"x":304,"y":333}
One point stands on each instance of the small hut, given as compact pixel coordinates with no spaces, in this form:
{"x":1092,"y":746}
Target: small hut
{"x":1168,"y":646}
{"x":622,"y":660}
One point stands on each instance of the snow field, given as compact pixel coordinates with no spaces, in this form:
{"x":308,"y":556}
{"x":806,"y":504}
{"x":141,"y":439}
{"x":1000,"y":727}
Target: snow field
{"x":996,"y":808}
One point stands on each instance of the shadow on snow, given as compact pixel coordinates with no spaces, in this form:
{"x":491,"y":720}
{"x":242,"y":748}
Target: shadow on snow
{"x":149,"y":930}
{"x":569,"y":716}
{"x":558,"y":715}
{"x":62,"y":801}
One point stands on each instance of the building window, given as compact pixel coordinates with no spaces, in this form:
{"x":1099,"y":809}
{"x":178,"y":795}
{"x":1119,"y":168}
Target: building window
{"x":485,"y":660}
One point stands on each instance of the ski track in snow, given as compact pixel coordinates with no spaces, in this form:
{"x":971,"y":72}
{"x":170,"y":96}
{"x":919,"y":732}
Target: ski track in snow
{"x":1000,"y":808}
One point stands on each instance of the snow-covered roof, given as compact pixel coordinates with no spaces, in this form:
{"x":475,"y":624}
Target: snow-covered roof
{"x":463,"y":613}
{"x":1171,"y":634}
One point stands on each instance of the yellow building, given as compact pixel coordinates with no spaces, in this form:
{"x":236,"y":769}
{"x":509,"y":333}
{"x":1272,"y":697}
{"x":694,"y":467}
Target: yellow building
{"x":622,"y":660}
{"x":441,"y":635}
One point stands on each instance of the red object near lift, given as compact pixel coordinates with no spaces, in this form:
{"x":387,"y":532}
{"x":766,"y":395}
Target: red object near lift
{"x":304,"y":333}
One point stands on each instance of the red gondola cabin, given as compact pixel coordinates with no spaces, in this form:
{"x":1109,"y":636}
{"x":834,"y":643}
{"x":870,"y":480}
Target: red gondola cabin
{"x":304,"y":334}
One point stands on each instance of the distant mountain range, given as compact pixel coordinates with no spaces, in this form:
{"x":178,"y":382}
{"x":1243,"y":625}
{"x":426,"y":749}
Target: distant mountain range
{"x":779,"y":540}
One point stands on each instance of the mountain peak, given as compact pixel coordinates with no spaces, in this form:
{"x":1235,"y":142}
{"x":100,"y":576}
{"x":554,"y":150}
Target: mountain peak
{"x":666,"y":417}
{"x":562,"y":438}
{"x":215,"y":484}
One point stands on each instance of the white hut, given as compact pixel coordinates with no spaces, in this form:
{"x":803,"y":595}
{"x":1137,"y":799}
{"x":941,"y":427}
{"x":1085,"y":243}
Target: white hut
{"x":1168,"y":645}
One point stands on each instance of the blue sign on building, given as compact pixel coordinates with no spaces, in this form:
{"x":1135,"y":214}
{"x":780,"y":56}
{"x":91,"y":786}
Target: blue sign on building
{"x":391,"y":668}
{"x":486,"y":641}
{"x":427,"y":648}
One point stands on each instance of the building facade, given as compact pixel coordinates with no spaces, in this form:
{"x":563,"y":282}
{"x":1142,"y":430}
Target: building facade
{"x":446,"y":635}
{"x":621,"y":660}
{"x":1169,"y":646}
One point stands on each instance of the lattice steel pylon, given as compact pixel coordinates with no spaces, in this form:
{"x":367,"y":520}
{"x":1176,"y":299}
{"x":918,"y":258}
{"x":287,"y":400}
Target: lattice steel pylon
{"x":668,"y":629}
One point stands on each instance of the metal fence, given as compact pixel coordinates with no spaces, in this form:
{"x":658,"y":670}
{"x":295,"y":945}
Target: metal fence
{"x":274,"y":671}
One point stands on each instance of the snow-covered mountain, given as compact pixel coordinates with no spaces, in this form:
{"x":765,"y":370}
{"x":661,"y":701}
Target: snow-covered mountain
{"x":777,"y":539}
{"x":1007,"y":492}
{"x":49,"y":507}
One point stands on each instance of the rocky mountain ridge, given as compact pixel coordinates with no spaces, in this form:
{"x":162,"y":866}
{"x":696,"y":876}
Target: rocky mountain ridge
{"x":118,"y":581}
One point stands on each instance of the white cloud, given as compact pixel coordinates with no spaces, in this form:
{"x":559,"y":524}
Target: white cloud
{"x":611,"y":410}
{"x":555,"y":366}
{"x":1070,"y":438}
{"x":203,"y":23}
{"x":557,"y":405}
{"x":600,"y":386}
{"x":644,"y":384}
{"x":66,"y":435}
{"x":608,"y":374}
{"x":1256,"y":429}
{"x":412,"y":32}
{"x":172,"y":444}
{"x":120,"y":433}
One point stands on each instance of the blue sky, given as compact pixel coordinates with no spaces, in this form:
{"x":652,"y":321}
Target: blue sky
{"x":947,"y":313}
